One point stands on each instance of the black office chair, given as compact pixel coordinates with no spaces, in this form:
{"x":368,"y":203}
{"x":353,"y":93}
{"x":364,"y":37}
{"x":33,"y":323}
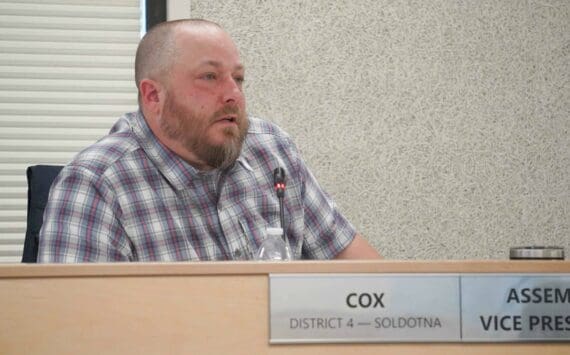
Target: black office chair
{"x":40,"y":178}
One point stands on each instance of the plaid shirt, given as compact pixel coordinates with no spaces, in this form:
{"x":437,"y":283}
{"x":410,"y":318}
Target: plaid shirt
{"x":129,"y":198}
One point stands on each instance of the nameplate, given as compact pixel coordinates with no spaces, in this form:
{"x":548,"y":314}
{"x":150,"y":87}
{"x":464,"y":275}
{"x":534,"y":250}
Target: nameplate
{"x":363,"y":308}
{"x":515,"y":308}
{"x":369,"y":308}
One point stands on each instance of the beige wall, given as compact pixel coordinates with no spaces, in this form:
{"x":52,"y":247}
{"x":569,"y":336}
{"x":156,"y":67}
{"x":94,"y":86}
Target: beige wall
{"x":440,"y":127}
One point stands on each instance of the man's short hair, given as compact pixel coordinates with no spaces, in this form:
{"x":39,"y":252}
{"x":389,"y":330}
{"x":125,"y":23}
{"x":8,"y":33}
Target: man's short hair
{"x":157,"y":49}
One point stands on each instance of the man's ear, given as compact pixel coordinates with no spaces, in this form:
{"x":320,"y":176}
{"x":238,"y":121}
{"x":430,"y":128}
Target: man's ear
{"x":151,"y":93}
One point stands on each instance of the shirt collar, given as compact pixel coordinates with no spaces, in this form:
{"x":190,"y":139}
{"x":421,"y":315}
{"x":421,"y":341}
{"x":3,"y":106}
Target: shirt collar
{"x":243,"y":161}
{"x":171,"y":166}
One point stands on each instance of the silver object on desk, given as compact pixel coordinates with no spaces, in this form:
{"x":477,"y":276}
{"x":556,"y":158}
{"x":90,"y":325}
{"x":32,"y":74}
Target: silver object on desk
{"x":537,"y":253}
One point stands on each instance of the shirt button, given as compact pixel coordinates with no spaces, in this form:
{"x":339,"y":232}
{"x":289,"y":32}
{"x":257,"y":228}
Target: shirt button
{"x":237,"y":254}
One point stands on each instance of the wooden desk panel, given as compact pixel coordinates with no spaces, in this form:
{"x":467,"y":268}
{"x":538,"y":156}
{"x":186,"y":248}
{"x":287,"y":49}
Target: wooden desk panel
{"x":194,"y":308}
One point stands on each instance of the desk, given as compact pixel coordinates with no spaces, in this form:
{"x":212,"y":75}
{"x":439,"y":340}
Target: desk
{"x":197,"y":308}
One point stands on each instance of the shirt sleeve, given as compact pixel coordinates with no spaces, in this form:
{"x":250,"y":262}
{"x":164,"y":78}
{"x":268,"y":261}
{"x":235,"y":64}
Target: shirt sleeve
{"x":327,"y":231}
{"x":80,"y":221}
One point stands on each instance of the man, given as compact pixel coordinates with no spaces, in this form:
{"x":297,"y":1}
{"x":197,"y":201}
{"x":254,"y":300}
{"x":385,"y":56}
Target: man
{"x":189,"y":176}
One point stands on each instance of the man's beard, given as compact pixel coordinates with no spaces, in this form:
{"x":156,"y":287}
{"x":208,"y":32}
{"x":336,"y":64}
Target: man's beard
{"x":189,"y":129}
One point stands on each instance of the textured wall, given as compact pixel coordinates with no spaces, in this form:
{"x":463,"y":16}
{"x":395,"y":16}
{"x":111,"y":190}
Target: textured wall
{"x":440,"y":127}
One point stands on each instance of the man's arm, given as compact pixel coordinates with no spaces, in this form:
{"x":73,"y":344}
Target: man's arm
{"x":79,"y":223}
{"x":359,"y":249}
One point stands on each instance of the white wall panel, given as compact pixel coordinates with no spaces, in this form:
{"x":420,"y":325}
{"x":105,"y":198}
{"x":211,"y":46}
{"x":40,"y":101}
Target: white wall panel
{"x":441,"y":127}
{"x":66,"y":75}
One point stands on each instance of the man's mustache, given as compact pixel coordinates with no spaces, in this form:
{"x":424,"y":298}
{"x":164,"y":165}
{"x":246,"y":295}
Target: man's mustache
{"x":227,"y":110}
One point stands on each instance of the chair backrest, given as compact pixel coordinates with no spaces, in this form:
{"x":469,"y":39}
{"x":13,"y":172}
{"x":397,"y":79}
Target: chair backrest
{"x":40,"y":178}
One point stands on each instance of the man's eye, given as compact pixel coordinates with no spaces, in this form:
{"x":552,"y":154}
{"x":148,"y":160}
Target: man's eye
{"x":209,"y":76}
{"x":239,"y":79}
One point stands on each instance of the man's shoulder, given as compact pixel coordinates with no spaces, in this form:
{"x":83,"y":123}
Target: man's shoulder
{"x":117,"y":145}
{"x":261,"y":127}
{"x":268,"y":144}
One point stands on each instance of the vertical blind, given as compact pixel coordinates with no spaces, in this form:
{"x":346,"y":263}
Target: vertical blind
{"x":66,"y":75}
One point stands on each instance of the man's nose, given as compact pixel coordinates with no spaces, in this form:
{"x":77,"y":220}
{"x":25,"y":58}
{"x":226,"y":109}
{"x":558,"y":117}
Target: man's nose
{"x":232,"y":91}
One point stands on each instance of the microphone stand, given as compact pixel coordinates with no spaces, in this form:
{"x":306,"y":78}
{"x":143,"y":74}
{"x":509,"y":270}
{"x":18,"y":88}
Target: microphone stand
{"x":279,"y":182}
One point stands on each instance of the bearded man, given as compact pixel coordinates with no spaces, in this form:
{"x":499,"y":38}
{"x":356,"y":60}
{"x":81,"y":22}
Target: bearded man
{"x":189,"y":176}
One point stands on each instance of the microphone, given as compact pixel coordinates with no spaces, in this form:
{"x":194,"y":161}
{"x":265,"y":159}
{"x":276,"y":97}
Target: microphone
{"x":279,"y":181}
{"x":279,"y":184}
